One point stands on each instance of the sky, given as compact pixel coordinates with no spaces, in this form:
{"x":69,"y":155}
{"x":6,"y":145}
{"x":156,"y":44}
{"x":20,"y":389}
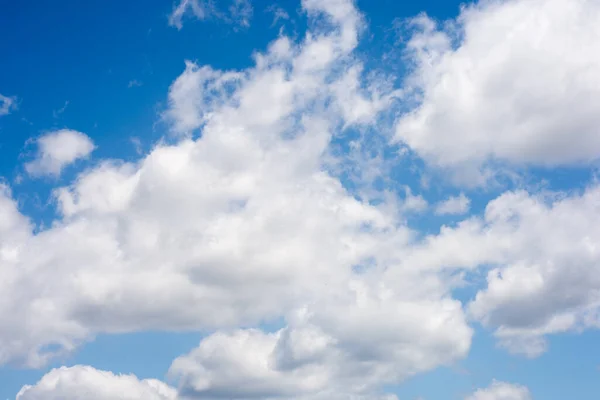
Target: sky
{"x":303,"y":199}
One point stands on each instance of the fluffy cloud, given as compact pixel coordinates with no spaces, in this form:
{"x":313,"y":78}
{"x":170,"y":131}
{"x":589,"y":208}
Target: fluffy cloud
{"x":7,"y":104}
{"x":520,"y":87}
{"x":58,"y":149}
{"x":454,"y":205}
{"x":541,"y":254}
{"x":83,"y":382}
{"x":241,"y":224}
{"x":239,"y":12}
{"x":352,"y":343}
{"x":549,"y":282}
{"x":501,"y":391}
{"x":243,"y":219}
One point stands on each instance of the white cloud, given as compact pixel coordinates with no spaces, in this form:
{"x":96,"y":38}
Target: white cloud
{"x":454,"y":205}
{"x":239,"y":12}
{"x":501,"y":391}
{"x":520,"y":87}
{"x":83,"y":382}
{"x":245,"y":207}
{"x":350,"y":342}
{"x":213,"y":228}
{"x":541,"y":253}
{"x":58,"y":149}
{"x":548,"y":282}
{"x":7,"y":104}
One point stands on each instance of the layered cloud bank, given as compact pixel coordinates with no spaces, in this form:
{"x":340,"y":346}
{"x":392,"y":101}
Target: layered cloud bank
{"x":248,"y":217}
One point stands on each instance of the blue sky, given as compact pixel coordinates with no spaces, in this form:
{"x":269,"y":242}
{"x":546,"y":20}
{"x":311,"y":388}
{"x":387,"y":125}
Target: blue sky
{"x":316,"y":199}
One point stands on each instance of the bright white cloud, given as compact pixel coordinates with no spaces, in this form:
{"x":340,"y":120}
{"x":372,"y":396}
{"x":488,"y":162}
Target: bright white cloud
{"x":349,"y":343}
{"x":213,"y":228}
{"x":501,"y":391}
{"x":7,"y":104}
{"x":520,"y":87}
{"x":247,"y":206}
{"x":239,"y":12}
{"x":83,"y":382}
{"x":56,"y":150}
{"x":542,"y":255}
{"x":454,"y":205}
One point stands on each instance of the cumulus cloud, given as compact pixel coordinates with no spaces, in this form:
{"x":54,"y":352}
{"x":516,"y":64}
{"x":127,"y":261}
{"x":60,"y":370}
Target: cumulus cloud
{"x":239,"y":12}
{"x":58,"y":149}
{"x":83,"y":382}
{"x":245,"y":218}
{"x":501,"y":391}
{"x":454,"y":205}
{"x":342,"y":346}
{"x":7,"y":104}
{"x":541,"y":254}
{"x":518,"y":88}
{"x":241,"y":224}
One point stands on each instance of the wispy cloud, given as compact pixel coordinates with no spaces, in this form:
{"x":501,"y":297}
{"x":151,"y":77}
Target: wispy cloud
{"x":7,"y":104}
{"x":279,"y":14}
{"x":239,"y":12}
{"x":57,"y":113}
{"x":134,"y":83}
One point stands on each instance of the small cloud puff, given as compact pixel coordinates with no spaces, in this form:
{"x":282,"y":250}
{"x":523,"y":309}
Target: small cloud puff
{"x":454,"y":205}
{"x":56,"y":150}
{"x":501,"y":391}
{"x":7,"y":104}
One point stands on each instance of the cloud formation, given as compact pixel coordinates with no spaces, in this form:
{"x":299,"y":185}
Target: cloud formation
{"x":58,"y":149}
{"x":501,"y":391}
{"x":519,"y":86}
{"x":84,"y":382}
{"x":213,"y":228}
{"x":251,"y":216}
{"x":454,"y":205}
{"x":7,"y":104}
{"x":238,"y":12}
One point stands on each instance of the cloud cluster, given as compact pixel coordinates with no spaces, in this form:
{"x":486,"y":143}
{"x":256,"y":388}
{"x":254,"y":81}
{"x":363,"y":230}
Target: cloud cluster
{"x":508,"y":82}
{"x":247,"y":217}
{"x":541,"y":254}
{"x":237,"y":223}
{"x":80,"y":381}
